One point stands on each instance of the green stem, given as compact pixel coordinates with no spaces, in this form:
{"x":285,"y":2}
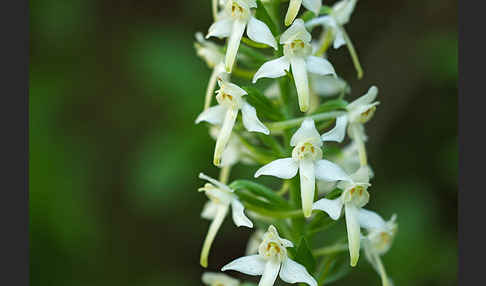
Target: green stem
{"x":254,"y":44}
{"x":246,"y":74}
{"x":275,"y":214}
{"x":354,"y":55}
{"x":331,"y":249}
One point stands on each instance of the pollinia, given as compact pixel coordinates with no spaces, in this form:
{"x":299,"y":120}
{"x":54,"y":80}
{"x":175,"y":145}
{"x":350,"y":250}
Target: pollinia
{"x":274,"y":101}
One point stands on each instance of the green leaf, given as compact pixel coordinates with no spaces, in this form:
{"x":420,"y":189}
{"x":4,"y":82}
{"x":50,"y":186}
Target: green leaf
{"x":338,"y":269}
{"x":262,"y":15}
{"x":331,"y":105}
{"x":253,"y":200}
{"x":334,"y":194}
{"x":259,"y":190}
{"x":304,"y":256}
{"x":321,"y":222}
{"x":262,"y":104}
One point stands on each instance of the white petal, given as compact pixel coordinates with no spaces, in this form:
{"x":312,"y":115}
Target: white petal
{"x":306,"y":131}
{"x":339,"y":39}
{"x":337,"y":133}
{"x":270,"y":273}
{"x":319,"y":65}
{"x":221,"y":28}
{"x":326,"y":85}
{"x":286,"y":243}
{"x":212,"y":278}
{"x":273,"y":69}
{"x":370,"y":220}
{"x":328,"y":171}
{"x":293,"y":272}
{"x":209,"y":210}
{"x":211,"y":85}
{"x":282,"y":168}
{"x":259,"y":32}
{"x":299,"y":71}
{"x":251,"y":121}
{"x":251,"y":265}
{"x":352,"y":227}
{"x":216,"y":183}
{"x":365,"y":99}
{"x":234,"y":44}
{"x":231,"y":88}
{"x":307,"y":185}
{"x":214,"y":115}
{"x":294,"y":7}
{"x":332,"y":207}
{"x":343,"y":9}
{"x":239,"y":217}
{"x":362,"y":175}
{"x":313,"y":5}
{"x":296,"y":32}
{"x":213,"y":230}
{"x":231,"y":154}
{"x":224,"y":134}
{"x":327,"y":21}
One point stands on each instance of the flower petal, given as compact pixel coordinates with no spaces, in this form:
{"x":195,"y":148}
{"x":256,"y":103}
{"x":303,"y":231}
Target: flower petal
{"x":365,"y":99}
{"x":213,"y":230}
{"x":327,"y":85}
{"x":273,"y":69}
{"x":270,"y":273}
{"x":319,"y":65}
{"x":306,"y":131}
{"x":259,"y":32}
{"x":337,"y":133}
{"x":282,"y":168}
{"x":313,"y":5}
{"x":234,"y":44}
{"x":251,"y":265}
{"x":327,"y":21}
{"x":328,"y":171}
{"x":370,"y":220}
{"x":299,"y":71}
{"x":215,"y":182}
{"x":307,"y":185}
{"x":332,"y":207}
{"x":231,"y":154}
{"x":251,"y":121}
{"x":292,"y":11}
{"x":339,"y":39}
{"x":296,"y":32}
{"x":212,"y":278}
{"x":362,"y":175}
{"x":224,"y":135}
{"x":214,"y":115}
{"x":209,"y":210}
{"x":239,"y":217}
{"x":221,"y":28}
{"x":217,"y":70}
{"x":293,"y":272}
{"x":230,"y":88}
{"x":352,"y":227}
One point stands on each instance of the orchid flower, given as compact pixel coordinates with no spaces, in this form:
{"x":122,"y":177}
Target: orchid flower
{"x":378,"y":240}
{"x":220,"y":197}
{"x":334,"y":22}
{"x":294,"y":7}
{"x":297,"y":53}
{"x":232,"y":22}
{"x":218,"y":279}
{"x":353,"y":198}
{"x":307,"y":159}
{"x":214,"y":58}
{"x":271,"y":261}
{"x":230,"y":100}
{"x":359,"y":112}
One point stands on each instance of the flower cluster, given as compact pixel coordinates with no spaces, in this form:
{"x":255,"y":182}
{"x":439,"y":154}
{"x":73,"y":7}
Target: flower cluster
{"x":278,"y":97}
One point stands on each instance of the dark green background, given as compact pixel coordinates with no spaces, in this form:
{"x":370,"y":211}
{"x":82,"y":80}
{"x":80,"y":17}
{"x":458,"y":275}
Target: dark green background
{"x":115,"y":87}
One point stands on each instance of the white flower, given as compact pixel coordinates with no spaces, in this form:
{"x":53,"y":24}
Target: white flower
{"x":235,"y":150}
{"x":307,"y":159}
{"x":297,"y":53}
{"x":254,"y":242}
{"x":218,"y":279}
{"x":327,"y":86}
{"x":378,"y":240}
{"x":294,"y":7}
{"x":214,"y":58}
{"x":232,"y":22}
{"x":340,"y":14}
{"x":220,"y":197}
{"x":353,"y":198}
{"x":230,"y":99}
{"x":271,"y":261}
{"x":359,"y":112}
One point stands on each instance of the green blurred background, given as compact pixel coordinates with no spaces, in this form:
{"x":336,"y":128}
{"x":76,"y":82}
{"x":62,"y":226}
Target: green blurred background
{"x":115,"y":87}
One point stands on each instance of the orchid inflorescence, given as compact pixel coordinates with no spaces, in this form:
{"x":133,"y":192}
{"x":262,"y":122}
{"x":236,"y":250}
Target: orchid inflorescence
{"x":278,"y":117}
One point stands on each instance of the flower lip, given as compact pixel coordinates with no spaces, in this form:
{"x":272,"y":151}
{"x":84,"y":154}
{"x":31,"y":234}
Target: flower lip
{"x":238,"y":9}
{"x":357,"y":195}
{"x":306,"y":149}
